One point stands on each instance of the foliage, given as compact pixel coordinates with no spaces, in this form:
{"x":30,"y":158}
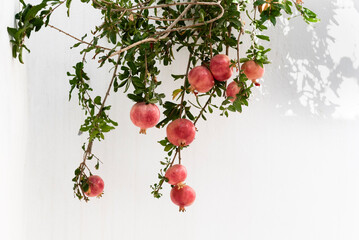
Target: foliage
{"x":146,"y":33}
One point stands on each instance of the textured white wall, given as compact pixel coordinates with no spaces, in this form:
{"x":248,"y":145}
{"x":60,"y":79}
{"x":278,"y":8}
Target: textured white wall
{"x":13,"y":121}
{"x":285,"y":169}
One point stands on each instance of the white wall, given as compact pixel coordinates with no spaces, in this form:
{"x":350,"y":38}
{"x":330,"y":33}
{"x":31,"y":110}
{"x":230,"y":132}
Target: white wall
{"x":13,"y":120}
{"x":285,"y":169}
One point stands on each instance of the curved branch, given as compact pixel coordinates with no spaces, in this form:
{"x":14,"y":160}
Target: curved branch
{"x":170,"y":28}
{"x":77,"y":39}
{"x":153,"y":39}
{"x":197,"y":24}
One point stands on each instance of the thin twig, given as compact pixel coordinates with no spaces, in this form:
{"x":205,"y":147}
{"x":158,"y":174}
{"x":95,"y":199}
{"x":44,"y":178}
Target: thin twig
{"x":77,"y":39}
{"x":198,"y":24}
{"x":202,"y":110}
{"x":229,"y":35}
{"x":141,"y":8}
{"x":165,"y":33}
{"x":176,"y":4}
{"x":238,"y":43}
{"x":146,"y":70}
{"x":184,"y":83}
{"x":109,"y":87}
{"x":88,"y":150}
{"x":179,"y":155}
{"x":210,"y":40}
{"x":170,"y":165}
{"x":53,"y":9}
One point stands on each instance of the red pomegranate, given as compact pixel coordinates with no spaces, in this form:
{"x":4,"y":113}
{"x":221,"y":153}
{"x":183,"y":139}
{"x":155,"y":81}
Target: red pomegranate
{"x":252,"y":70}
{"x":96,"y":186}
{"x":220,"y":67}
{"x":183,"y":196}
{"x":201,"y":79}
{"x":176,"y":174}
{"x":181,"y":132}
{"x":232,"y":90}
{"x":145,"y":115}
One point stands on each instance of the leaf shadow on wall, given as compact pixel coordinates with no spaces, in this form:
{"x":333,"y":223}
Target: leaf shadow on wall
{"x":309,"y":75}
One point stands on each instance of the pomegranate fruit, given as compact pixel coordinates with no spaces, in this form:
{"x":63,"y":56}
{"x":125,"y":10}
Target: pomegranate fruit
{"x":201,"y":79}
{"x":181,"y":132}
{"x":176,"y":174}
{"x":183,"y":196}
{"x":145,"y":115}
{"x":232,"y":91}
{"x":220,"y":67}
{"x":96,"y":186}
{"x":252,"y":70}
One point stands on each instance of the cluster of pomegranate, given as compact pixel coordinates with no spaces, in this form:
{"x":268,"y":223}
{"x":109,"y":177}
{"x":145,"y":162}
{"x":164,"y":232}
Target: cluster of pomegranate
{"x":181,"y":194}
{"x":202,"y":79}
{"x":181,"y":132}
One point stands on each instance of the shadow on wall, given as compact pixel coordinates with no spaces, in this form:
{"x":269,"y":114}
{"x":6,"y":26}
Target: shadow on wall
{"x":356,"y":5}
{"x":314,"y":70}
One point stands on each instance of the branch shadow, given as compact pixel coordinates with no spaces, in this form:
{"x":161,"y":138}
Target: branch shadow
{"x":310,"y":74}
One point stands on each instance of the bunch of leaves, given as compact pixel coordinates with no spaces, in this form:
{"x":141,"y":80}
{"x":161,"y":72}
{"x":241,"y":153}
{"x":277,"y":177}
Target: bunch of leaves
{"x":30,"y":18}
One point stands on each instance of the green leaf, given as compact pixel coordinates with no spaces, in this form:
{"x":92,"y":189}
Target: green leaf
{"x":85,"y":187}
{"x":97,"y":100}
{"x":210,"y":109}
{"x":175,"y":93}
{"x":189,"y":114}
{"x":163,"y":142}
{"x":135,"y":98}
{"x":113,"y":37}
{"x":168,"y":147}
{"x":68,"y":3}
{"x":33,"y":11}
{"x":12,"y":31}
{"x":231,"y":108}
{"x":273,"y":20}
{"x":263,"y":37}
{"x":238,"y":106}
{"x":77,"y":171}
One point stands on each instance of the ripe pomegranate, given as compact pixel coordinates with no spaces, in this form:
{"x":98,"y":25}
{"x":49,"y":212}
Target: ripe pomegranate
{"x":232,"y":90}
{"x":96,"y":186}
{"x":220,"y":67}
{"x":201,"y":79}
{"x":176,"y":174}
{"x":145,"y":115}
{"x":253,"y":71}
{"x":183,"y":196}
{"x":181,"y":132}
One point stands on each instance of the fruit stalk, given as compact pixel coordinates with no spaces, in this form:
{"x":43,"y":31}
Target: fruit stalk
{"x":204,"y":107}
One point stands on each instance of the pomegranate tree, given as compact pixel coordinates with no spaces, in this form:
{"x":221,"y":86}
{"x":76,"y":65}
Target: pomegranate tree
{"x":142,"y":37}
{"x":144,"y":115}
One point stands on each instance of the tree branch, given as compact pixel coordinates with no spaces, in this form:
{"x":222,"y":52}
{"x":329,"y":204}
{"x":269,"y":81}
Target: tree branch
{"x":165,"y":33}
{"x":77,"y":39}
